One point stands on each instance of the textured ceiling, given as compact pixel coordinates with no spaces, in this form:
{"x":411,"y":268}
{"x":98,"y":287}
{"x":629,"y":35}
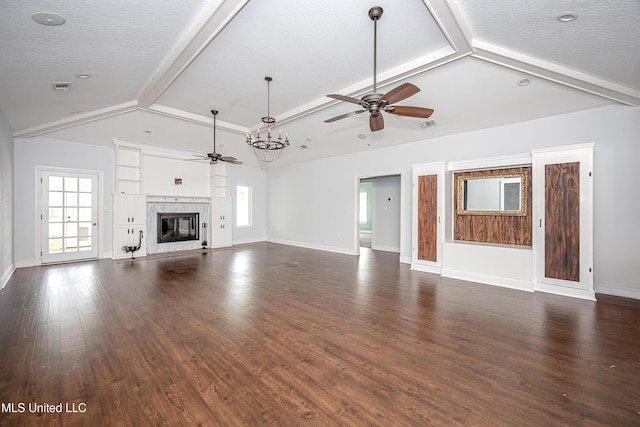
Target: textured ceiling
{"x":158,"y":67}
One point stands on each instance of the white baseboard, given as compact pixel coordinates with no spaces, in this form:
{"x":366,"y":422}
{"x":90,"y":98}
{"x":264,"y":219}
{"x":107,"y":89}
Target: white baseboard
{"x":520,"y":285}
{"x":426,"y":268}
{"x":565,"y":291}
{"x":7,"y":275}
{"x":385,"y":248}
{"x":618,"y":292}
{"x":23,"y":263}
{"x":313,"y":246}
{"x":405,"y":259}
{"x":243,"y":241}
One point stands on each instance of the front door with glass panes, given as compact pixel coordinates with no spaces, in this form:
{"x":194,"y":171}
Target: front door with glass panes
{"x":69,"y":216}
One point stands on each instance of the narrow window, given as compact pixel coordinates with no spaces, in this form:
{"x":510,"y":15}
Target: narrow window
{"x":243,"y":206}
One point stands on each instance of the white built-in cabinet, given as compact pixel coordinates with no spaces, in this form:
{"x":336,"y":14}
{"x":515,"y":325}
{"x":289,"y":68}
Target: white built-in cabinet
{"x":428,"y":212}
{"x":221,"y":222}
{"x":563,"y":220}
{"x":221,"y":206}
{"x":130,"y":219}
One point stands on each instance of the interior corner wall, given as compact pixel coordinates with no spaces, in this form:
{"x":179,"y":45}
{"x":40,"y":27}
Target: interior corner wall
{"x":41,"y":151}
{"x":313,"y":204}
{"x":7,"y":260}
{"x":257,"y":179}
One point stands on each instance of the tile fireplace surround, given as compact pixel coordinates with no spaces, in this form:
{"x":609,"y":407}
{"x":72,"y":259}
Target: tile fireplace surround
{"x":153,"y":208}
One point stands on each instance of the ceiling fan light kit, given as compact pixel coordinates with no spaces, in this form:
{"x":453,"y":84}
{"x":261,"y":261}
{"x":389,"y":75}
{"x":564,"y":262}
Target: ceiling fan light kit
{"x":375,"y":103}
{"x":270,"y":149}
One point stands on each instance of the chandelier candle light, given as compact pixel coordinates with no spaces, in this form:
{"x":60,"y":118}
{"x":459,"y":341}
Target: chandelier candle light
{"x":269,"y":149}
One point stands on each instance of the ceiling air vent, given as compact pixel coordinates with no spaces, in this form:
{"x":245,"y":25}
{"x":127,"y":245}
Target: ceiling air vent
{"x":303,"y":147}
{"x":428,"y":124}
{"x":61,"y":86}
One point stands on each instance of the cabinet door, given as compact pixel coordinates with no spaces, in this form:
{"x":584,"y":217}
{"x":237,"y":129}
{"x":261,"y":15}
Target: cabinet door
{"x":221,"y":209}
{"x":428,"y":227}
{"x":121,"y":210}
{"x":221,"y":235}
{"x":130,"y":209}
{"x":138,"y":209}
{"x":563,"y":246}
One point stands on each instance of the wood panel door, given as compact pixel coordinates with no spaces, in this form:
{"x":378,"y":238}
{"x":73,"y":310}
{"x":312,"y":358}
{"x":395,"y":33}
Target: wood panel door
{"x":427,"y":217}
{"x":428,"y":227}
{"x":563,"y":224}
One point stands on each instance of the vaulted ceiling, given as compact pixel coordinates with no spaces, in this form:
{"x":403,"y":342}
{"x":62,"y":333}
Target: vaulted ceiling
{"x":156,"y":68}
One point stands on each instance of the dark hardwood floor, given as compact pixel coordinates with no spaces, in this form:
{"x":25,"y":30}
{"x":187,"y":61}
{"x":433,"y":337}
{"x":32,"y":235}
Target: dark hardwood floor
{"x":275,"y":335}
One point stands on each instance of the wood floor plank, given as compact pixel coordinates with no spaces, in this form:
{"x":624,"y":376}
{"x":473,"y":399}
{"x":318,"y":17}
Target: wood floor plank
{"x":270,"y":334}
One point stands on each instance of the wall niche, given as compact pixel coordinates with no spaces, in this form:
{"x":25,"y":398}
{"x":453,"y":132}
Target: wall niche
{"x":493,"y":227}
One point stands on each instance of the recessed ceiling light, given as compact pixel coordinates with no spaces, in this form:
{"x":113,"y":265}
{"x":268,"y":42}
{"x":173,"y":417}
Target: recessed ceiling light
{"x":524,"y":82}
{"x":567,"y":17}
{"x":48,"y":18}
{"x":148,"y":132}
{"x":362,"y":136}
{"x":83,"y":76}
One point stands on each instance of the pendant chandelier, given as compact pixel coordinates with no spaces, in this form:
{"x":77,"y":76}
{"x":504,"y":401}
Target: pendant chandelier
{"x":267,"y":149}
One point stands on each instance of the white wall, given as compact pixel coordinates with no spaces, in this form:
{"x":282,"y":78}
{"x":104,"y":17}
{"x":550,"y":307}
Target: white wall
{"x":7,"y":264}
{"x":257,"y":179}
{"x":41,"y":151}
{"x":323,"y":192}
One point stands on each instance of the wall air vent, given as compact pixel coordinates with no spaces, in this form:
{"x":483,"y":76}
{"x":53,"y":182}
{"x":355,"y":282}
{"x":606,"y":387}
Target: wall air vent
{"x":61,"y":86}
{"x":428,"y":124}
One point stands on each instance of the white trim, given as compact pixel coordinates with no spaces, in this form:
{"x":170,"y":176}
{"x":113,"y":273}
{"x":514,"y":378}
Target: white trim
{"x":253,"y":240}
{"x":425,"y":268}
{"x":520,"y":285}
{"x":385,"y":248}
{"x":618,"y":292}
{"x":334,"y":249}
{"x":554,"y":72}
{"x":565,"y":291}
{"x":7,"y":275}
{"x":513,"y":160}
{"x":38,"y":204}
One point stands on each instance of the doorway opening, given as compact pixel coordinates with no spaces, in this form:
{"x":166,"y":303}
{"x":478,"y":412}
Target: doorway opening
{"x":379,"y":215}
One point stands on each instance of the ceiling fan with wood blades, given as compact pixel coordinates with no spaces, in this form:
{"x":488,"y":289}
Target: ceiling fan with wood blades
{"x":375,"y":103}
{"x":214,"y":157}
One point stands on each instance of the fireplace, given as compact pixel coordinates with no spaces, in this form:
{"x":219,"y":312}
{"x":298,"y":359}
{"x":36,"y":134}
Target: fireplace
{"x":178,"y":227}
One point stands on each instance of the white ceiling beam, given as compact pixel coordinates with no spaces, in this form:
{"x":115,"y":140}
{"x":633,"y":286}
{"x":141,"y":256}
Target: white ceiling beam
{"x":76,"y":120}
{"x":451,"y":23}
{"x":194,"y":118}
{"x":555,"y":72}
{"x":212,"y":21}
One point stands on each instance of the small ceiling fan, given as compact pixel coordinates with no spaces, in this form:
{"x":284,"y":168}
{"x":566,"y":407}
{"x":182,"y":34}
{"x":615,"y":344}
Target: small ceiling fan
{"x":375,"y":102}
{"x":213,"y":156}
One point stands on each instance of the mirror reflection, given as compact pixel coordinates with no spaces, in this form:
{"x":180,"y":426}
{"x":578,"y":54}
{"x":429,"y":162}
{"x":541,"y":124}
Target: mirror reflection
{"x":492,"y":194}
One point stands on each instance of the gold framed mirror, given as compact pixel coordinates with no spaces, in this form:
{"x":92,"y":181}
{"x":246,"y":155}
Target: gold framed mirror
{"x":490,"y":193}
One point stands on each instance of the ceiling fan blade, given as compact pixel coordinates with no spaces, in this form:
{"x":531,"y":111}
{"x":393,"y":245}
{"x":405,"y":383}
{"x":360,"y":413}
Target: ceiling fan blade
{"x":345,"y":98}
{"x":403,"y":91}
{"x":376,"y":123}
{"x":424,"y":113}
{"x":230,"y":159}
{"x":342,"y":116}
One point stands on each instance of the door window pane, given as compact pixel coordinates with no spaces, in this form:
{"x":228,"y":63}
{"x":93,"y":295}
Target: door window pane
{"x":55,"y":183}
{"x":84,"y":185}
{"x":55,"y":198}
{"x":70,"y":184}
